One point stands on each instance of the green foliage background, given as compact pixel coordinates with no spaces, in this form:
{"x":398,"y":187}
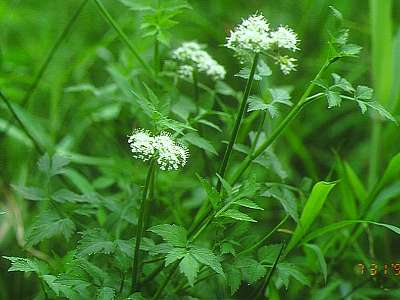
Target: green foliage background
{"x":82,"y":108}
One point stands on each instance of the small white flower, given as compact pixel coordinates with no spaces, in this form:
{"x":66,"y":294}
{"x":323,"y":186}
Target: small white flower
{"x":191,"y":55}
{"x":285,"y":37}
{"x":185,"y":72}
{"x":287,"y":64}
{"x":142,"y":144}
{"x":170,"y":155}
{"x":251,"y":35}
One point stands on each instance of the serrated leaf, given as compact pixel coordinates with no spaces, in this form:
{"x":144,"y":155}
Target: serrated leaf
{"x":237,"y":215}
{"x":263,"y":70}
{"x":106,"y":293}
{"x":47,"y":225}
{"x":377,"y":107}
{"x":198,"y":141}
{"x":251,"y":269}
{"x":226,"y":248}
{"x":363,"y":92}
{"x":189,"y":267}
{"x":333,"y":98}
{"x":173,"y":234}
{"x":350,"y":50}
{"x":30,"y":193}
{"x":22,"y":264}
{"x":248,"y":203}
{"x":54,"y":165}
{"x":210,"y":124}
{"x":287,"y":270}
{"x":174,"y":255}
{"x":256,"y":103}
{"x":233,"y":278}
{"x":207,"y":257}
{"x":268,"y":254}
{"x":95,"y":241}
{"x":342,"y":83}
{"x":280,"y":95}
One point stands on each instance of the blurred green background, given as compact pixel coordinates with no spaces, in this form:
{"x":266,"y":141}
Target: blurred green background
{"x":95,"y":125}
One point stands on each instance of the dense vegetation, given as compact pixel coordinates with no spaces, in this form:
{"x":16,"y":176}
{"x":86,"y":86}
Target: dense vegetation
{"x":171,"y":149}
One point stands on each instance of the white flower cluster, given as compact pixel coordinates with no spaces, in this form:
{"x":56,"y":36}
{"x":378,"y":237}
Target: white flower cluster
{"x":191,"y":56}
{"x":169,"y":154}
{"x":254,"y":35}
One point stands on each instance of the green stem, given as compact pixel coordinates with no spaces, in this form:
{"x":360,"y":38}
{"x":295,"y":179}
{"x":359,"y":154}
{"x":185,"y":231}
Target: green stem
{"x":285,"y":122}
{"x":140,"y":227}
{"x":238,"y":121}
{"x":123,"y":36}
{"x":21,"y":124}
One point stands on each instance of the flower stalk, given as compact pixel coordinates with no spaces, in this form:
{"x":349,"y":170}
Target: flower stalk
{"x":147,"y":195}
{"x":238,"y":121}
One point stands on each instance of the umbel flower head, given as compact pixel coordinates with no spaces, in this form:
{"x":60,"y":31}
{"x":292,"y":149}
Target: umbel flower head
{"x":169,"y":154}
{"x":192,"y":57}
{"x":253,"y":35}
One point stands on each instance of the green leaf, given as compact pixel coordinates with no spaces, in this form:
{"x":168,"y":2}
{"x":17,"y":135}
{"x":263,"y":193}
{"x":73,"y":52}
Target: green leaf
{"x":311,"y":210}
{"x":233,"y":278}
{"x":173,"y":234}
{"x":333,"y":98}
{"x":237,"y":215}
{"x":54,"y":165}
{"x":66,"y":196}
{"x":376,"y":106}
{"x":207,"y":257}
{"x":356,"y":185}
{"x":22,"y":264}
{"x":212,"y":194}
{"x":268,"y":254}
{"x":189,"y":267}
{"x":30,"y":193}
{"x":364,"y":92}
{"x":174,"y":255}
{"x":95,"y":241}
{"x":335,"y":226}
{"x":350,"y":50}
{"x":47,"y":225}
{"x":251,"y":269}
{"x":248,"y":203}
{"x":342,"y":83}
{"x":256,"y":103}
{"x":321,"y":259}
{"x":198,"y":141}
{"x":286,"y":199}
{"x":280,"y":95}
{"x":287,"y":270}
{"x":336,"y":13}
{"x":105,"y":293}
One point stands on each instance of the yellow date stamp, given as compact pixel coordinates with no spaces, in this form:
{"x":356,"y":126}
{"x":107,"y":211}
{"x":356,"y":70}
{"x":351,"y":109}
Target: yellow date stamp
{"x":387,"y":269}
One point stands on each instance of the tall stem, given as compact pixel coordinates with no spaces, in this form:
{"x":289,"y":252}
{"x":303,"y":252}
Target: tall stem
{"x":238,"y":121}
{"x":147,"y":193}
